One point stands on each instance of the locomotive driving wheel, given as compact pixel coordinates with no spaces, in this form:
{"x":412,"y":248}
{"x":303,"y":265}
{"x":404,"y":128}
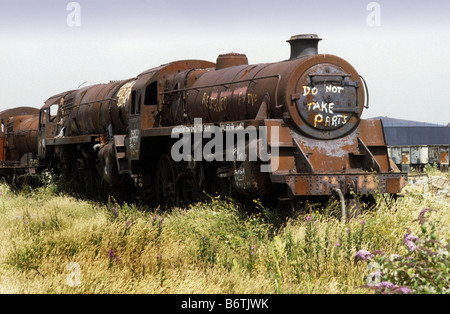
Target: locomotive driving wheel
{"x":167,"y":191}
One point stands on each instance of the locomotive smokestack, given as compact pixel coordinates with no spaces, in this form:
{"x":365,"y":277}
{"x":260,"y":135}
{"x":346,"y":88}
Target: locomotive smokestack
{"x":304,"y":45}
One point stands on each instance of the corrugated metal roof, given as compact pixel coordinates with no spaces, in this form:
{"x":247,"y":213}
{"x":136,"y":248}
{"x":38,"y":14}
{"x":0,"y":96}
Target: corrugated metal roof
{"x":388,"y":122}
{"x":400,"y":132}
{"x":406,"y":136}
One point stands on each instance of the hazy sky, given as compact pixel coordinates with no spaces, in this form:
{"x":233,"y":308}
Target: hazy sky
{"x":405,"y":59}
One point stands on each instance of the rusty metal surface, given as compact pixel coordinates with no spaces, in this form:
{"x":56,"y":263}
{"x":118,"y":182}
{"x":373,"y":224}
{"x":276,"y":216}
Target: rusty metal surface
{"x":153,"y":108}
{"x":372,"y":132}
{"x":318,"y":166}
{"x":417,"y":157}
{"x":232,"y":94}
{"x":56,"y":99}
{"x":70,"y":140}
{"x":49,"y":125}
{"x":405,"y":157}
{"x":230,"y":59}
{"x":163,"y":77}
{"x":321,"y":94}
{"x":22,"y":135}
{"x":94,"y":109}
{"x":23,"y":141}
{"x":362,"y":183}
{"x":328,"y":99}
{"x":315,"y":100}
{"x":20,"y":111}
{"x":444,"y":156}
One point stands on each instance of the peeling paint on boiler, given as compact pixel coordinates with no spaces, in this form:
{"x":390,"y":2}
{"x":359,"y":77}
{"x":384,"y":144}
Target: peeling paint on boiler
{"x":124,"y":94}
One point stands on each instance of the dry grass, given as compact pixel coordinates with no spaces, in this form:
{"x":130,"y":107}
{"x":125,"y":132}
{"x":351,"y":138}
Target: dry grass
{"x":209,"y":248}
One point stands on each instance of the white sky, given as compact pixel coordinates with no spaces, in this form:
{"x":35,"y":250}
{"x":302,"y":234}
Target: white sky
{"x":405,"y":60}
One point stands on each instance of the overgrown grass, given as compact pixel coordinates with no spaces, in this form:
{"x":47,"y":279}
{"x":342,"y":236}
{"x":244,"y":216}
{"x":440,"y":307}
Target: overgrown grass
{"x":53,"y":243}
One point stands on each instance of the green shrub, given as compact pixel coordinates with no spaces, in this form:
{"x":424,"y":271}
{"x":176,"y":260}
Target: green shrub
{"x":425,"y":269}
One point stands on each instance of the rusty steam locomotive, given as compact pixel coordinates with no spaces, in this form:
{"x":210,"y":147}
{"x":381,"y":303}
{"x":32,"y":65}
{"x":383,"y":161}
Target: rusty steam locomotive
{"x":119,"y":137}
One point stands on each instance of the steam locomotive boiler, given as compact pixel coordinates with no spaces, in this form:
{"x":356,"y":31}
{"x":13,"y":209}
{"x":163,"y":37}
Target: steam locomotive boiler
{"x":305,"y":113}
{"x":18,"y":141}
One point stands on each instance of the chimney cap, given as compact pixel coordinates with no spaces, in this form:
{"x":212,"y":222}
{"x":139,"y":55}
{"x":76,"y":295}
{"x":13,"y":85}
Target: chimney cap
{"x":304,"y":36}
{"x":304,"y":45}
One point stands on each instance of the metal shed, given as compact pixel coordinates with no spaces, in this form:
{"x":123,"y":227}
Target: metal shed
{"x":413,"y":144}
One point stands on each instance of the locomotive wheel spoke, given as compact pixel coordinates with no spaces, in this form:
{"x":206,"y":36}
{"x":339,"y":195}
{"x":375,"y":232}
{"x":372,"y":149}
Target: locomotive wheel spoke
{"x":188,"y":191}
{"x":166,"y":184}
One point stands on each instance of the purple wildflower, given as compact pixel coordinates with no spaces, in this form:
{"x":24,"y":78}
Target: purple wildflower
{"x":337,"y":244}
{"x":252,"y":251}
{"x":386,"y":285}
{"x":115,"y":210}
{"x":308,"y":218}
{"x":402,"y":290}
{"x":363,"y":255}
{"x":363,"y":223}
{"x":389,"y":287}
{"x":411,"y":246}
{"x":112,"y":256}
{"x":410,"y":241}
{"x":204,"y":240}
{"x":410,"y":237}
